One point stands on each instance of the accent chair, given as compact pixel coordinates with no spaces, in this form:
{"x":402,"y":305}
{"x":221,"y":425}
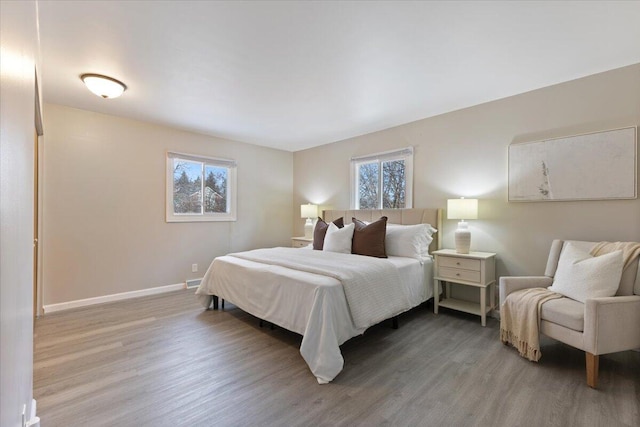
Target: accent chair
{"x":600,"y":326}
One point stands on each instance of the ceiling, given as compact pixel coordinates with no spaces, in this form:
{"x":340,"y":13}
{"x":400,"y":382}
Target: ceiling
{"x":294,"y":75}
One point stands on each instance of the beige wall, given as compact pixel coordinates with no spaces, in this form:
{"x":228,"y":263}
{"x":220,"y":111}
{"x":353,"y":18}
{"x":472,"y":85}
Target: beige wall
{"x":464,"y":153}
{"x":104,"y":205}
{"x":18,"y":32}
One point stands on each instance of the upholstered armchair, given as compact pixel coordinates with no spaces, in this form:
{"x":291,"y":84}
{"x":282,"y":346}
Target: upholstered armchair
{"x":600,"y":325}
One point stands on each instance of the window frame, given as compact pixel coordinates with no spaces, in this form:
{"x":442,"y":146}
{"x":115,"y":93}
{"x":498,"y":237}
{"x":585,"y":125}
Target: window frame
{"x":405,"y":154}
{"x":230,"y":165}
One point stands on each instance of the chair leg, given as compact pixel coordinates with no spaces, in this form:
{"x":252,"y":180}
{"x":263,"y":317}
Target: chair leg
{"x":592,"y":369}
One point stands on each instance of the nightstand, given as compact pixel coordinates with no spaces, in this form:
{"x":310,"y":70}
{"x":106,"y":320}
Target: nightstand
{"x":300,"y":242}
{"x":477,"y":269}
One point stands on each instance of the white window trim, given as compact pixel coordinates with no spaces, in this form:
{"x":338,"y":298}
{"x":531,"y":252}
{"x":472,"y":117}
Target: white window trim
{"x":405,"y":154}
{"x":211,"y":161}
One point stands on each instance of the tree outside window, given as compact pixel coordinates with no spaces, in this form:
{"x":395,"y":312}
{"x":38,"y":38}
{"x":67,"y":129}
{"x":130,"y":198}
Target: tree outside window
{"x":382,"y":181}
{"x":200,"y":188}
{"x":393,"y":184}
{"x":215,"y":190}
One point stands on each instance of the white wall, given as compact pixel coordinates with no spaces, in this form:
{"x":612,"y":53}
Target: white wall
{"x":104,"y":205}
{"x":18,"y":36}
{"x":464,"y":153}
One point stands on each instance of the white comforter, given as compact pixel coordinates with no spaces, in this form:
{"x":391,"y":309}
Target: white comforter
{"x":370,"y":284}
{"x":327,"y":297}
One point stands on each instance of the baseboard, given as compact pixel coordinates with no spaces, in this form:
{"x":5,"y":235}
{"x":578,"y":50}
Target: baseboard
{"x":52,"y":308}
{"x":34,"y":421}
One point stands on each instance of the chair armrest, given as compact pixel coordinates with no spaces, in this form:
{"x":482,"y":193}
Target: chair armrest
{"x":511,"y":284}
{"x":612,"y":324}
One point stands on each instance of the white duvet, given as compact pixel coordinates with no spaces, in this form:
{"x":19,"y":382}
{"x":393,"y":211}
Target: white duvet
{"x":326,"y":297}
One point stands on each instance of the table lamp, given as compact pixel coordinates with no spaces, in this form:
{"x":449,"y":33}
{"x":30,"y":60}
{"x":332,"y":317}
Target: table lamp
{"x":462,"y":209}
{"x":308,"y":211}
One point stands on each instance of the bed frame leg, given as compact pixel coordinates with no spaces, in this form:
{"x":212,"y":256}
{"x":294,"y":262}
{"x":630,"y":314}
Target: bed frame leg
{"x":394,"y":322}
{"x":271,"y":325}
{"x":217,"y":300}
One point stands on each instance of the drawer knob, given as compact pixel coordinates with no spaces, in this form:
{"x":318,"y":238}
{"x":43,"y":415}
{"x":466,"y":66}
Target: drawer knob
{"x":458,"y":274}
{"x":457,"y":263}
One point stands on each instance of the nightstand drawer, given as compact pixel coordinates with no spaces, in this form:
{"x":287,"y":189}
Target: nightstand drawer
{"x":459,"y":274}
{"x":463,"y":263}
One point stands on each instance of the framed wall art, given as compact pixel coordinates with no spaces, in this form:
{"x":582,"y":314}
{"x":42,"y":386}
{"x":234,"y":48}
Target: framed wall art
{"x":593,"y":166}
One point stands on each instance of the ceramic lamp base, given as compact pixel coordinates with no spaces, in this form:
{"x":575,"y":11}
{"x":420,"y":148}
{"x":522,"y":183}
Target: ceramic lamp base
{"x":463,"y":238}
{"x":308,"y":228}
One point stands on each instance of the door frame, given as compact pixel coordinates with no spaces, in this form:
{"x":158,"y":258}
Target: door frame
{"x":37,"y":203}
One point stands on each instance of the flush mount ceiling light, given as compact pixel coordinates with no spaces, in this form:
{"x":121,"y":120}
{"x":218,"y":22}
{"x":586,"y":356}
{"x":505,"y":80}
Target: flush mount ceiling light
{"x":103,"y":86}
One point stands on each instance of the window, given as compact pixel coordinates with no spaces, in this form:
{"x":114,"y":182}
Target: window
{"x":383,"y":180}
{"x":200,"y":188}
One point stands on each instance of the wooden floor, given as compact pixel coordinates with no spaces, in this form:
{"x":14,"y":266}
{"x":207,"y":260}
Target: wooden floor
{"x":164,"y":361}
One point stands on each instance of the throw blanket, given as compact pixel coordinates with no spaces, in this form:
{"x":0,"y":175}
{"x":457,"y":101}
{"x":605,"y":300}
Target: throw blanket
{"x":520,"y":312}
{"x":369,"y":283}
{"x":630,"y":250}
{"x":520,"y":320}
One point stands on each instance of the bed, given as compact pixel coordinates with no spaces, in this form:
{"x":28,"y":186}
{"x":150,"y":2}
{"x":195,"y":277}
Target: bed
{"x":326,"y":297}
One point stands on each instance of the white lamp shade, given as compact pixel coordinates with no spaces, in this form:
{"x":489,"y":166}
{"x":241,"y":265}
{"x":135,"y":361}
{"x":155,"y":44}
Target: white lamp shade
{"x":308,"y":211}
{"x":103,"y":86}
{"x":462,"y":209}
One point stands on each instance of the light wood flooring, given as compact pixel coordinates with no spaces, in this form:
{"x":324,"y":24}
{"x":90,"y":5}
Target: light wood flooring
{"x":164,"y":361}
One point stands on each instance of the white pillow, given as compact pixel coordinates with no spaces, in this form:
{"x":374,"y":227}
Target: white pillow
{"x":339,"y":239}
{"x":410,"y":241}
{"x":430,"y":230}
{"x":581,"y":276}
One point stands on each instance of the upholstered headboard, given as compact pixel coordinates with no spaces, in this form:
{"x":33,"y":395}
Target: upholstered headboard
{"x":395,"y":216}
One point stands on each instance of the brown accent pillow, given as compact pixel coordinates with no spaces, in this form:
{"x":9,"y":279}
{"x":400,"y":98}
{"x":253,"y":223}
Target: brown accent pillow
{"x":369,"y":239}
{"x":321,"y":231}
